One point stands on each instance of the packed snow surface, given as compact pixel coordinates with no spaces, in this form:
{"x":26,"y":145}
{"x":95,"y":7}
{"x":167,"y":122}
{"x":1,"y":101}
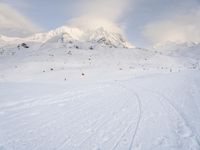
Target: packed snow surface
{"x":55,"y":96}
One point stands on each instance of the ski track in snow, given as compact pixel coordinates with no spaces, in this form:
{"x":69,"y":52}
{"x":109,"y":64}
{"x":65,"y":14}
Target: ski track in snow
{"x":47,"y":101}
{"x":170,"y":110}
{"x":105,"y":117}
{"x":139,"y":116}
{"x":193,"y":135}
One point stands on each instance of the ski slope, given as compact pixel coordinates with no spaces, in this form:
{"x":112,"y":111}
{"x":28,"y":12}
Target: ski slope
{"x":148,"y":112}
{"x":58,"y":94}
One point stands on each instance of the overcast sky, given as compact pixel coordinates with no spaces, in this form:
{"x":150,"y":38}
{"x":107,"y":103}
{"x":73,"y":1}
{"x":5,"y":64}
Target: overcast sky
{"x":144,"y":21}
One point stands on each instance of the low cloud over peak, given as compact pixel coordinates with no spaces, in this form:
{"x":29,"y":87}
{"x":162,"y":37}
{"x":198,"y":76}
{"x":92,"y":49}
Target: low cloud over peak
{"x":100,"y":13}
{"x":109,"y":9}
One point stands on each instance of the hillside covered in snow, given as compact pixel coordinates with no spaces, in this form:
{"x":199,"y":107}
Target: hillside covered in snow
{"x":78,"y":89}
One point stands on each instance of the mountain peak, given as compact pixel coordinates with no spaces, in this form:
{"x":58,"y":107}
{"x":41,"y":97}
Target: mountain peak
{"x":99,"y":37}
{"x":69,"y":36}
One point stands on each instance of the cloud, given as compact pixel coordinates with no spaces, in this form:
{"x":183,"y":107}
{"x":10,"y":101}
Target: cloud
{"x":100,"y":13}
{"x":13,"y":23}
{"x":92,"y":22}
{"x":109,"y":9}
{"x":178,"y":28}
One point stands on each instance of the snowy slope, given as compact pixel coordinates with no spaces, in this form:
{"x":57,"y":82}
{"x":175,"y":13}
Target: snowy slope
{"x":77,"y":90}
{"x":137,"y":113}
{"x":56,"y":64}
{"x":188,"y":49}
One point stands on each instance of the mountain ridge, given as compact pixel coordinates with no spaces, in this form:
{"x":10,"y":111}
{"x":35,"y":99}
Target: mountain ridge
{"x":74,"y":37}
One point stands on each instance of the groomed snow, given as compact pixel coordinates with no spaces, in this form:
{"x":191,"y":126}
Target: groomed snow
{"x":58,"y":98}
{"x":159,"y":111}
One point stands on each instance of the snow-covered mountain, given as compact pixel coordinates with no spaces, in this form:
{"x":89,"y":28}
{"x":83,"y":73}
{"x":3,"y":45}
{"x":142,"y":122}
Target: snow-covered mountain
{"x":8,"y":40}
{"x":73,"y":37}
{"x":187,"y":49}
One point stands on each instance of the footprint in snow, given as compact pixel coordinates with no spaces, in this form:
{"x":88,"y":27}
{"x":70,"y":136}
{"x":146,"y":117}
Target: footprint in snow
{"x":183,"y":131}
{"x":125,"y":141}
{"x":137,"y":147}
{"x":161,"y":141}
